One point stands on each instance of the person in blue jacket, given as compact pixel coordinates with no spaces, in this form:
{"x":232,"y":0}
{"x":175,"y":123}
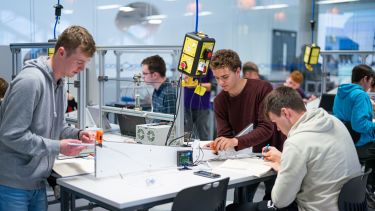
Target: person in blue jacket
{"x":352,"y":104}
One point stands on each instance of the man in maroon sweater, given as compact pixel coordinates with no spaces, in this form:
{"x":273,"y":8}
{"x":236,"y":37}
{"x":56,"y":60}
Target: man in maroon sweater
{"x":236,"y":107}
{"x":240,"y":104}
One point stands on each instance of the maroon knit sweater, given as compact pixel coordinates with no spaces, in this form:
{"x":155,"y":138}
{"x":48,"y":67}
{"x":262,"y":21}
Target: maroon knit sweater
{"x":233,"y":114}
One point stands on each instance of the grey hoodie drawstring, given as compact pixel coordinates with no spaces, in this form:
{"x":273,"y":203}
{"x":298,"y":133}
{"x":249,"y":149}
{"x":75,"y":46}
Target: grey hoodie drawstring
{"x":53,"y":101}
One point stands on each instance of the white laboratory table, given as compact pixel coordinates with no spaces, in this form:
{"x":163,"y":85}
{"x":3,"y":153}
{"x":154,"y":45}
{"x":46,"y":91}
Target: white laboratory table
{"x":143,"y":190}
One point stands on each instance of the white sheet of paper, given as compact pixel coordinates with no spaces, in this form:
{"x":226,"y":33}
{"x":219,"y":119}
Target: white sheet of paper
{"x":75,"y":166}
{"x":252,"y":166}
{"x":81,"y":144}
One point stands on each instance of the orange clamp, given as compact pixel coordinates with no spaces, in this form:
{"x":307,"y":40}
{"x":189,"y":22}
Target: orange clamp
{"x":99,"y":136}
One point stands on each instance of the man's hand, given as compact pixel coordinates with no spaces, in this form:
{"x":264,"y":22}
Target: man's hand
{"x":87,"y":136}
{"x":272,"y":154}
{"x":69,"y":150}
{"x":222,"y":143}
{"x":274,"y":165}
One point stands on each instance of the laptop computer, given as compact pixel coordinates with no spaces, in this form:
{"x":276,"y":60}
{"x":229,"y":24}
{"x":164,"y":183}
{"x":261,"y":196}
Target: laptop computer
{"x":326,"y":102}
{"x":128,"y":124}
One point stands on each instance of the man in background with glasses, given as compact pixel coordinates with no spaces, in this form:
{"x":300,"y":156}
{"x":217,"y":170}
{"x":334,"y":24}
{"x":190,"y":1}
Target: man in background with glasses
{"x":164,"y":95}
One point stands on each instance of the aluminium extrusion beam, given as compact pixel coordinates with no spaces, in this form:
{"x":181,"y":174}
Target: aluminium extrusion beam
{"x":140,"y":48}
{"x":132,"y":112}
{"x":15,"y":48}
{"x":101,"y":53}
{"x":81,"y":115}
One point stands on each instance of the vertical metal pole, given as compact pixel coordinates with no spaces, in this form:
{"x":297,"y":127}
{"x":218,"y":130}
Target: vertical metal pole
{"x":16,"y":61}
{"x":101,"y":54}
{"x":324,"y":75}
{"x":118,"y":70}
{"x":181,"y":114}
{"x":82,"y":98}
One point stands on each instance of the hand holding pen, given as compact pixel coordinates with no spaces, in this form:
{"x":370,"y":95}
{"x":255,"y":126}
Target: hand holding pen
{"x":271,"y":154}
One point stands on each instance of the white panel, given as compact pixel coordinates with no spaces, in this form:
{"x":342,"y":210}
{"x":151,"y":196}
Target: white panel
{"x":123,"y":158}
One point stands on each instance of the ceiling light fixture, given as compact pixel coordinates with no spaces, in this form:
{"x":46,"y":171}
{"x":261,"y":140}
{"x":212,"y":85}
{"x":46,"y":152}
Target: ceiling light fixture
{"x":108,"y":6}
{"x":126,"y":9}
{"x":334,"y":1}
{"x":271,"y":6}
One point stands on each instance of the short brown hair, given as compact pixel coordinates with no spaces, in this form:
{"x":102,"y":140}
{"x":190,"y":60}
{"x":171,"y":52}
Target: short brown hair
{"x":155,"y":64}
{"x":250,"y":67}
{"x":283,"y":97}
{"x":360,"y":71}
{"x":3,"y":87}
{"x":296,"y":76}
{"x":74,"y":37}
{"x":225,"y":58}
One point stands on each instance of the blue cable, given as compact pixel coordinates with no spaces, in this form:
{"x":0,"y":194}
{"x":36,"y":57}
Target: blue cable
{"x":57,"y":20}
{"x":196,"y":15}
{"x":312,"y":20}
{"x":54,"y":28}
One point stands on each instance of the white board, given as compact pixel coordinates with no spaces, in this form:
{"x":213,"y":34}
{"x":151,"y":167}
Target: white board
{"x":117,"y":157}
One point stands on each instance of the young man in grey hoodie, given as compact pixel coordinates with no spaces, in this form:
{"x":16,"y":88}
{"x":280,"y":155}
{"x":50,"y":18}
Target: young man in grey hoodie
{"x":32,"y":125}
{"x":318,"y":157}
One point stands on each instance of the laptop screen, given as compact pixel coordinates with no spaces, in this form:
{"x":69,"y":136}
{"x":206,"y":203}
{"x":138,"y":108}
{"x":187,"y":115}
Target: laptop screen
{"x":326,"y":102}
{"x":128,"y":124}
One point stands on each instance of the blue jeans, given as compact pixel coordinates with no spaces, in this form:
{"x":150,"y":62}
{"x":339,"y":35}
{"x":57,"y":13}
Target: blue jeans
{"x":22,"y":200}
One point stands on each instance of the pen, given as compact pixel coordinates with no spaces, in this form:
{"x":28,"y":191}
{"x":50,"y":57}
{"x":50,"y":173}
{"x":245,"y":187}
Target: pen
{"x":266,"y":149}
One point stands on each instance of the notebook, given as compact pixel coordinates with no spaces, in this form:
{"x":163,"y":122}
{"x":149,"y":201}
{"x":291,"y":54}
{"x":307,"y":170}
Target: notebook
{"x":250,"y":166}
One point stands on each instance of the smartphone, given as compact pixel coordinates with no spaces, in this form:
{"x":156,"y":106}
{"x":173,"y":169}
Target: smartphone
{"x":207,"y":174}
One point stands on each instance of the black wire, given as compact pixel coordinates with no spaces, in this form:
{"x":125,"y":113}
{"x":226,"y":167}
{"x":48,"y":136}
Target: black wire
{"x":191,"y":115}
{"x":194,"y":129}
{"x":199,"y":159}
{"x":176,"y":111}
{"x":312,"y":21}
{"x":173,"y":140}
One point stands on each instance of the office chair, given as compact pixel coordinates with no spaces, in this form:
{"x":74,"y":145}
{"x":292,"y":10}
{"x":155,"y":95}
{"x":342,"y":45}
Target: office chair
{"x":208,"y":197}
{"x":352,"y":196}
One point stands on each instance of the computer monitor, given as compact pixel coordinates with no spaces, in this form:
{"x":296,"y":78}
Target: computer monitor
{"x":326,"y":102}
{"x":128,"y":124}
